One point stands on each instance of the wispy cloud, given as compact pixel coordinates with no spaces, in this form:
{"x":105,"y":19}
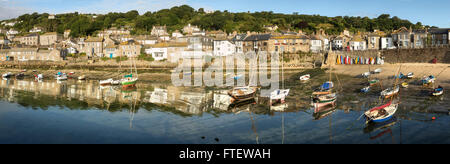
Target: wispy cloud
{"x":9,"y":9}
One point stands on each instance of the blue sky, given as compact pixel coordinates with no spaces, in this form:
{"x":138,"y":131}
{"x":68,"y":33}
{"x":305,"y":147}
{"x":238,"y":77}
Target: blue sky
{"x":430,"y":12}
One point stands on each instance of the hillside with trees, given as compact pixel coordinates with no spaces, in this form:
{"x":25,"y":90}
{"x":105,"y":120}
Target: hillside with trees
{"x":177,"y":17}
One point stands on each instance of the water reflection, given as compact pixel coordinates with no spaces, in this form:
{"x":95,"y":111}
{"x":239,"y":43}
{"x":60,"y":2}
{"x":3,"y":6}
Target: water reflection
{"x":197,"y":112}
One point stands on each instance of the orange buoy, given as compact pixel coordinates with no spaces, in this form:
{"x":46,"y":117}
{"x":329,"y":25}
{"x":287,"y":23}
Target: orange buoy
{"x":434,"y":118}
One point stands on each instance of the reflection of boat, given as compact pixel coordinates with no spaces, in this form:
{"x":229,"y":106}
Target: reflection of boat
{"x":305,"y":77}
{"x":129,"y":89}
{"x":381,"y":113}
{"x":82,"y":77}
{"x":239,"y":104}
{"x":20,"y":75}
{"x":379,"y":125}
{"x":323,"y":111}
{"x":438,"y":91}
{"x":278,"y":96}
{"x":106,"y":82}
{"x":366,"y":89}
{"x":242,"y":93}
{"x":279,"y":107}
{"x":7,"y":75}
{"x":390,"y":92}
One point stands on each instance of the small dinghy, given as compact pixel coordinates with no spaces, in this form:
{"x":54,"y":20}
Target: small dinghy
{"x":377,"y":71}
{"x":373,"y":82}
{"x":401,"y":76}
{"x":390,"y":92}
{"x":329,"y":98}
{"x":239,"y":94}
{"x":61,"y":77}
{"x":366,"y":75}
{"x":7,"y":75}
{"x":366,"y":89}
{"x":410,"y":75}
{"x":405,"y":85}
{"x":278,"y":95}
{"x":428,"y":80}
{"x":438,"y":91}
{"x":106,"y":82}
{"x":305,"y":77}
{"x":117,"y":82}
{"x":381,"y":113}
{"x":39,"y":77}
{"x":20,"y":76}
{"x":82,"y":77}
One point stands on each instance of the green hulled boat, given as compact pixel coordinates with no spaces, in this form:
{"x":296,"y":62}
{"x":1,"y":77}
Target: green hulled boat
{"x":129,"y":81}
{"x":374,"y":82}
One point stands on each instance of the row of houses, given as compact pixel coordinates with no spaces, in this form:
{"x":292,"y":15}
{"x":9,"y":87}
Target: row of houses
{"x":30,"y":54}
{"x":193,"y":41}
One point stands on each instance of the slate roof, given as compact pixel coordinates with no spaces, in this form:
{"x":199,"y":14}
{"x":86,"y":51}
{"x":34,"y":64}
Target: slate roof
{"x":439,"y":30}
{"x":257,"y":37}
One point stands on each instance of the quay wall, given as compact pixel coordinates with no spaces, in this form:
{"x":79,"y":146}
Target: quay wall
{"x":423,"y":55}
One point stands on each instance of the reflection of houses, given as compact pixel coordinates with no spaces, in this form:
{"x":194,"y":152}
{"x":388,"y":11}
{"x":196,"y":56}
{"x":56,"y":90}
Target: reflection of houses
{"x":221,"y":101}
{"x":88,"y":92}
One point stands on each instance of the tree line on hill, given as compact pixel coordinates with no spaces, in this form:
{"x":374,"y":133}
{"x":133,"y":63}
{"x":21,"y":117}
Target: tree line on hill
{"x":177,"y":17}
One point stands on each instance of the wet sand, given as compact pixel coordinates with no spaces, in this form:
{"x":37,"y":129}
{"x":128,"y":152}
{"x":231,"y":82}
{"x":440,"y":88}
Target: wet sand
{"x":440,"y":71}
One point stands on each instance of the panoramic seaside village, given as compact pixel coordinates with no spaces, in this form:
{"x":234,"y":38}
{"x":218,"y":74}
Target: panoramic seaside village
{"x":157,"y":43}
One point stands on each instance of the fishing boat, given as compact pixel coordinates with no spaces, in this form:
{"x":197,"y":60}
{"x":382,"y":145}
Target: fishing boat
{"x":381,"y":113}
{"x":39,"y":77}
{"x":106,"y":82}
{"x":366,"y":75}
{"x":428,"y":79}
{"x":7,"y":75}
{"x":377,"y":71}
{"x":327,"y":85}
{"x":390,"y":92}
{"x":20,"y":75}
{"x":82,"y":77}
{"x":324,"y":89}
{"x":366,"y":89}
{"x":129,"y":81}
{"x":401,"y":76}
{"x":374,"y":82}
{"x":116,"y":82}
{"x":325,"y":98}
{"x":278,"y":95}
{"x":438,"y":91}
{"x":305,"y":77}
{"x":242,"y":93}
{"x":410,"y":75}
{"x":405,"y":85}
{"x":61,"y":77}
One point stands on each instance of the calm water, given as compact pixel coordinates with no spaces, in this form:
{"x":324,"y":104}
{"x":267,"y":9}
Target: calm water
{"x":83,"y":112}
